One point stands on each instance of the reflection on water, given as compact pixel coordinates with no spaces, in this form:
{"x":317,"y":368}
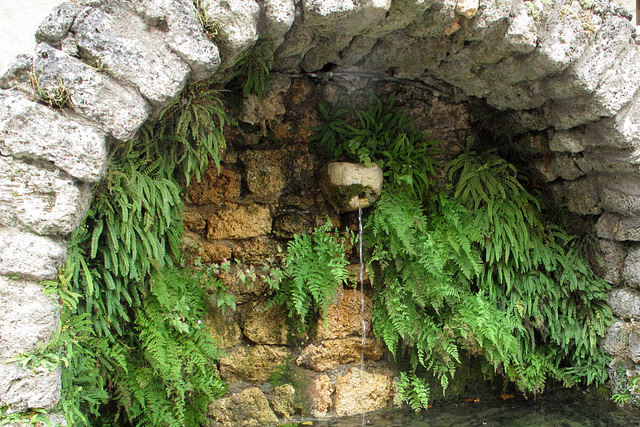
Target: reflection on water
{"x":563,"y":409}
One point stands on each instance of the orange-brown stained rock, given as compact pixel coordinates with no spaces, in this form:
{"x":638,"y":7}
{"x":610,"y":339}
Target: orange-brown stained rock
{"x":214,"y":188}
{"x":343,"y":318}
{"x":252,"y":364}
{"x":319,"y":395}
{"x":330,"y":354}
{"x":249,"y":407}
{"x":266,"y":327}
{"x":235,"y":221}
{"x":359,"y":391}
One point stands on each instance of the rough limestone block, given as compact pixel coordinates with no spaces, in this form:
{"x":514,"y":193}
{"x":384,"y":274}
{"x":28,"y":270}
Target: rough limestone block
{"x":582,"y":196}
{"x":360,"y":391}
{"x":27,"y":317}
{"x":237,"y":24}
{"x":598,"y":68}
{"x":24,"y":388}
{"x":239,"y":222}
{"x":131,"y":50}
{"x":401,"y":14}
{"x":266,"y":326}
{"x":521,"y":35}
{"x":272,"y":173}
{"x":278,"y":19}
{"x":564,"y":165}
{"x":620,"y":193}
{"x":249,"y":407}
{"x":621,"y":131}
{"x":344,"y":16}
{"x":349,"y":186}
{"x":634,"y":345}
{"x":33,"y":131}
{"x":615,"y":227}
{"x":283,"y":400}
{"x":611,"y":260}
{"x":183,"y":34}
{"x":318,"y":393}
{"x":625,"y":303}
{"x":46,"y":201}
{"x":57,"y":24}
{"x":253,"y":364}
{"x":118,"y":109}
{"x":608,"y":161}
{"x":329,"y":354}
{"x":344,"y":317}
{"x":616,"y":339}
{"x":631,"y":270}
{"x":467,"y":8}
{"x":30,"y":256}
{"x":569,"y":141}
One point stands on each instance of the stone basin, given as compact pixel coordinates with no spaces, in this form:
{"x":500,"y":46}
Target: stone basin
{"x":349,"y":186}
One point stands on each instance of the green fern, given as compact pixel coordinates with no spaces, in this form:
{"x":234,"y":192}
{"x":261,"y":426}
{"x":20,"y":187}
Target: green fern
{"x":381,"y":135}
{"x":413,"y":390}
{"x":254,"y":68}
{"x":482,"y":272}
{"x":314,"y":269}
{"x":169,"y":381}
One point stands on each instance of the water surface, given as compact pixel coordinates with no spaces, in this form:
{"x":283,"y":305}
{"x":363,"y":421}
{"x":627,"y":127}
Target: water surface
{"x":560,"y":409}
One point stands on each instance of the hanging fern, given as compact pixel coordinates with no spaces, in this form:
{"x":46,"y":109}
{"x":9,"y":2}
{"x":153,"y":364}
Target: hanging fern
{"x":155,"y":359}
{"x":482,"y":272}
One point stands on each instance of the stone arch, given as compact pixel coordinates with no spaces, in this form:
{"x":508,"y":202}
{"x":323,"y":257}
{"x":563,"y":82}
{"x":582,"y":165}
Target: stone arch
{"x":554,"y":68}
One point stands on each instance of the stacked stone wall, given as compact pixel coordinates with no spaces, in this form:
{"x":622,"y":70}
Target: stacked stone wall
{"x":568,"y":69}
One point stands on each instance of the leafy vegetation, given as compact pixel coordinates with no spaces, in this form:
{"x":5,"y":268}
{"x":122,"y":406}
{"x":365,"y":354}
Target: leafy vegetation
{"x":381,"y":136}
{"x":313,"y":270}
{"x":139,"y":315}
{"x":254,"y":66}
{"x":473,"y":269}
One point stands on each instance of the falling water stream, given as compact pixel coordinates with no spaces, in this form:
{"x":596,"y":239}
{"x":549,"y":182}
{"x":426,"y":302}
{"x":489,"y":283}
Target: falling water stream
{"x":364,"y":324}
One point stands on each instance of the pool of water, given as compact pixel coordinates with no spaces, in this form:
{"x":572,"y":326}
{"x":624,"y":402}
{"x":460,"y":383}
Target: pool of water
{"x":561,"y":409}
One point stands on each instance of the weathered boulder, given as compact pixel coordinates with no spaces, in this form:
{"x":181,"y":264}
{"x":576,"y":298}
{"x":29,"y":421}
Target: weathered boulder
{"x":631,"y":270}
{"x":223,"y":328}
{"x":283,"y":400}
{"x":582,"y":196}
{"x":40,"y":199}
{"x":121,"y":42}
{"x":183,"y":34}
{"x":616,"y":339}
{"x":625,"y":303}
{"x":24,"y":388}
{"x":360,"y":391}
{"x":237,"y":25}
{"x":273,"y":173}
{"x":345,"y":318}
{"x":318,"y":393}
{"x":28,"y":317}
{"x":30,"y":256}
{"x":215,"y":188}
{"x":249,"y":407}
{"x":611,"y":260}
{"x":118,"y":109}
{"x":31,"y":131}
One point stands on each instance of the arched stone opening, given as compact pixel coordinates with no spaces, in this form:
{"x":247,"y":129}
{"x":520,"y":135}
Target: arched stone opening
{"x":568,"y":70}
